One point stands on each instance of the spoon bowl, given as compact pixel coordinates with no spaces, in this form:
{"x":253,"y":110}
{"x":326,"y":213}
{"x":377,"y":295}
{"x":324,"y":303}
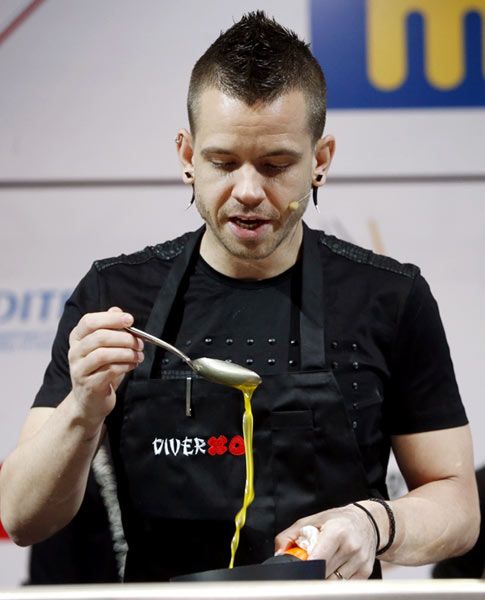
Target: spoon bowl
{"x":225,"y":373}
{"x":212,"y":369}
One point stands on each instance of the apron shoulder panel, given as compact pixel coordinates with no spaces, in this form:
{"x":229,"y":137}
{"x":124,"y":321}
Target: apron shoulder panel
{"x":364,"y":256}
{"x":172,"y":248}
{"x":166,"y":251}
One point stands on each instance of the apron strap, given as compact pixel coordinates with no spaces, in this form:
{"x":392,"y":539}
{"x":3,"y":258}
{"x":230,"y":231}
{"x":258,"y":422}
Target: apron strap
{"x":312,"y":320}
{"x":164,"y":302}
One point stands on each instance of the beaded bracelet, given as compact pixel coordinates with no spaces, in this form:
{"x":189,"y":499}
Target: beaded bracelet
{"x":392,"y":524}
{"x":373,"y":521}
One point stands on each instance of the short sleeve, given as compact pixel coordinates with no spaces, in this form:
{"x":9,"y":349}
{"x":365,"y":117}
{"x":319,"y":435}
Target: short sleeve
{"x":57,"y":380}
{"x":424,"y":394}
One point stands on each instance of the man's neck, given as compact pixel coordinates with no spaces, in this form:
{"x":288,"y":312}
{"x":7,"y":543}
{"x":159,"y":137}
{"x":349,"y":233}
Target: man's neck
{"x":282,"y":259}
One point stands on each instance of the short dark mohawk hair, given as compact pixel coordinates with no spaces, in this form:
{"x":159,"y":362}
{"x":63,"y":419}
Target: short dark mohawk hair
{"x":258,"y":60}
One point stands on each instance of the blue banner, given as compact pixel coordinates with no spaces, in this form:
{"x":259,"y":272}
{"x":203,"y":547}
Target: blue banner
{"x":400,"y":53}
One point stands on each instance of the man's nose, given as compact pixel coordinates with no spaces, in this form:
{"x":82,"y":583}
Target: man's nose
{"x":248,"y":188}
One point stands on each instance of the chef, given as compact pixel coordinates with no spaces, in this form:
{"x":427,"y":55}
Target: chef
{"x":349,"y":345}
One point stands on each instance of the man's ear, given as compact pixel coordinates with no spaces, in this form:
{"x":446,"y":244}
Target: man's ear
{"x":324,"y":151}
{"x":184,"y":144}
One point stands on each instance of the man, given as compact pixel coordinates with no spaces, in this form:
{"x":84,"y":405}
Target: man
{"x":349,"y":345}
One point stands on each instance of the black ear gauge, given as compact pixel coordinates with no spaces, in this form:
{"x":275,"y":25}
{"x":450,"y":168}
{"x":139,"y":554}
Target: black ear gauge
{"x":318,"y":178}
{"x":190,"y":175}
{"x":192,"y":200}
{"x":315,"y":197}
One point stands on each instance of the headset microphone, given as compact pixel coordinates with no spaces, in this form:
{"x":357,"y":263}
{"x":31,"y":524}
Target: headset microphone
{"x":296,"y":203}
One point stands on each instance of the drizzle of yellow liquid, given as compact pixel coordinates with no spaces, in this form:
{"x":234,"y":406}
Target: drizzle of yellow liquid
{"x":247,"y":426}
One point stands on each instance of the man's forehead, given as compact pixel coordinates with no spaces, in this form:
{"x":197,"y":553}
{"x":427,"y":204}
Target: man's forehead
{"x":218,"y":113}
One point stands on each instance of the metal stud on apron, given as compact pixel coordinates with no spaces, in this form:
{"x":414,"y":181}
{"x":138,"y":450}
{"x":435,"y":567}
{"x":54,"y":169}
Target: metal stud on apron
{"x":180,"y":493}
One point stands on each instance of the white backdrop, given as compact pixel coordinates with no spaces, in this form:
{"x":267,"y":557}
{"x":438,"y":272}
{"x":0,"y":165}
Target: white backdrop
{"x":92,"y":94}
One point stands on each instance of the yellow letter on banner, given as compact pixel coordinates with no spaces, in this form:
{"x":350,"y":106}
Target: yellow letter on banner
{"x":387,"y":47}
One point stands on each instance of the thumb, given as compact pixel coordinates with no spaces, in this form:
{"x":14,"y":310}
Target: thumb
{"x":115,"y":309}
{"x":286,"y":539}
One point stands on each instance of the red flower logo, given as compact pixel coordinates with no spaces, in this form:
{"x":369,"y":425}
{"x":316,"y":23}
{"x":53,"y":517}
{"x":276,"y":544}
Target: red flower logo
{"x":236,"y":445}
{"x":217,"y":445}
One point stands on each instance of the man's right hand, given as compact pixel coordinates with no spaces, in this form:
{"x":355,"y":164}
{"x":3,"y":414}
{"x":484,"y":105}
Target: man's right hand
{"x":101,"y":353}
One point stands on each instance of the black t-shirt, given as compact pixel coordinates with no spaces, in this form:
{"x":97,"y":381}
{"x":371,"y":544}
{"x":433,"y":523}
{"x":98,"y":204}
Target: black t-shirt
{"x":384,"y":337}
{"x":246,"y":322}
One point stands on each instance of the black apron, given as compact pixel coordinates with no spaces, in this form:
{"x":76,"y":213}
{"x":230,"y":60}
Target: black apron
{"x":183,"y":476}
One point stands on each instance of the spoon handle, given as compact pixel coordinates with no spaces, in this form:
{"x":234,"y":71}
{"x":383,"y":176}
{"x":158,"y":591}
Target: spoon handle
{"x":158,"y":342}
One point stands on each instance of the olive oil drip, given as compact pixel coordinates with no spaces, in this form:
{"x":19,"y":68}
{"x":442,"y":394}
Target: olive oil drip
{"x":247,"y":425}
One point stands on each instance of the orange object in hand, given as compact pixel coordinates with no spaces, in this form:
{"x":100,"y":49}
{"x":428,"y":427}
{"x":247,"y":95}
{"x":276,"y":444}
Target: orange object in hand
{"x":298,"y":552}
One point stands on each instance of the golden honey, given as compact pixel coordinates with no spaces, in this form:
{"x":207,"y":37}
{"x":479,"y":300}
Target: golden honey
{"x":247,"y":426}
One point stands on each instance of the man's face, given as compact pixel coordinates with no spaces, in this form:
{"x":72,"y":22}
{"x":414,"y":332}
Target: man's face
{"x":249,"y":164}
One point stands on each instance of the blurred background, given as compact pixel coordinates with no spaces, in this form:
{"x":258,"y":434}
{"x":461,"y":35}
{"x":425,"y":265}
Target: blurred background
{"x":92,"y":94}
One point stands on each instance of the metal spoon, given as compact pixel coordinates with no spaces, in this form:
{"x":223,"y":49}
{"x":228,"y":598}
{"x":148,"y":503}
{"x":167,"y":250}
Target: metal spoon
{"x":213,"y":369}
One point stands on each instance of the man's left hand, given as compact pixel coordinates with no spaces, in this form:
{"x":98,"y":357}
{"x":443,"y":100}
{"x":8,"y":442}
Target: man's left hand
{"x":347,"y":541}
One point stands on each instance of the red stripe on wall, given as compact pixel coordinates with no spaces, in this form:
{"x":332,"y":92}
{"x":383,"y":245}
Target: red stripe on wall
{"x":19,"y":19}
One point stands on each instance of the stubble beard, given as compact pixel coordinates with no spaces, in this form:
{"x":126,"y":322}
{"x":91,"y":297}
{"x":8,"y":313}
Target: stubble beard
{"x":257,"y":250}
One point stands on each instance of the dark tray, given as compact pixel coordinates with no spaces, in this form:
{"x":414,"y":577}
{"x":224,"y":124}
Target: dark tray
{"x":272,"y":570}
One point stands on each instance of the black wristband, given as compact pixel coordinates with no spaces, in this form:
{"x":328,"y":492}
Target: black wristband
{"x":392,"y":524}
{"x":373,"y":521}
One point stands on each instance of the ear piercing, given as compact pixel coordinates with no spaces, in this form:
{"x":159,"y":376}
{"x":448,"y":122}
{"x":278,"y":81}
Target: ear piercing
{"x":190,"y":175}
{"x":318,"y":178}
{"x":192,"y":200}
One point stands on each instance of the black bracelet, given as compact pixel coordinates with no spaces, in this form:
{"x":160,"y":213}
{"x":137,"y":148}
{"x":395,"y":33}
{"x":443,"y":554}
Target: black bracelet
{"x":373,"y":521}
{"x":392,"y":524}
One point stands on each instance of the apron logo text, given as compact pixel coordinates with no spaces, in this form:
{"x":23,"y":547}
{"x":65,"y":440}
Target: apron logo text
{"x":214,"y":446}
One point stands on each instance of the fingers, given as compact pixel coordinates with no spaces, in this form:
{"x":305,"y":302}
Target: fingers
{"x":101,"y":353}
{"x":102,"y":380}
{"x":102,"y":357}
{"x":330,"y":547}
{"x":337,"y":575}
{"x":287,"y":537}
{"x":91,"y":322}
{"x":344,"y":541}
{"x":350,"y":570}
{"x":327,"y":547}
{"x":99,"y":339}
{"x":107,"y":338}
{"x":343,"y":552}
{"x":115,"y":308}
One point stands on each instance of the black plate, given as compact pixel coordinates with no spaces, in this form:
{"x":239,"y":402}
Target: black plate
{"x":268,"y":571}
